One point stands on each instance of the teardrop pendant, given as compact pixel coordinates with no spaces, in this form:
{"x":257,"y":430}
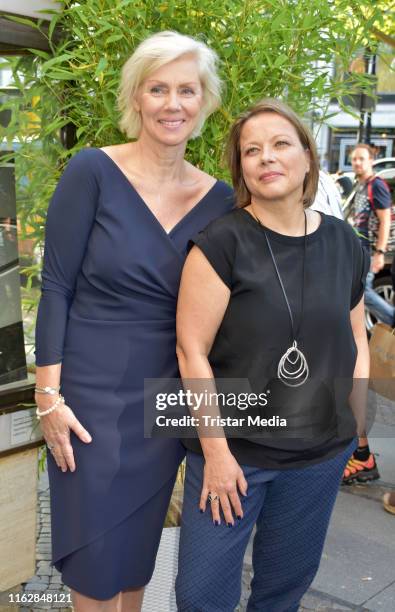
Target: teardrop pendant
{"x":298,"y":373}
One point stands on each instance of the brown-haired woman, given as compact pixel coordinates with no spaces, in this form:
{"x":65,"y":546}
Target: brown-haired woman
{"x":271,"y":294}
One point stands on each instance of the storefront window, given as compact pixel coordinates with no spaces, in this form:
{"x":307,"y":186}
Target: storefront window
{"x":12,"y":349}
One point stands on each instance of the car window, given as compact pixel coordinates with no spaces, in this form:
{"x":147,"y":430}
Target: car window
{"x":383,"y":165}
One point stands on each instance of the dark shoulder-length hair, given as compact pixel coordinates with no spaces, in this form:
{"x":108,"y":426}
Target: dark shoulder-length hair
{"x":233,"y":153}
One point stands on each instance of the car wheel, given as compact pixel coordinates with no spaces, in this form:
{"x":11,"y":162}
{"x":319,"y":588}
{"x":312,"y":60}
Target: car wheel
{"x":383,"y":286}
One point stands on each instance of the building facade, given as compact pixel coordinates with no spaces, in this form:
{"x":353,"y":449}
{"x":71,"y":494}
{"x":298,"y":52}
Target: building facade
{"x":339,"y":134}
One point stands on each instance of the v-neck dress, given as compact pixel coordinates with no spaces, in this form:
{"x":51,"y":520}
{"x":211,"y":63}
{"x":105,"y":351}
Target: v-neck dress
{"x":107,"y":313}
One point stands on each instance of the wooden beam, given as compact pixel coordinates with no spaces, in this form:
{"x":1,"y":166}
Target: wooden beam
{"x":16,"y":38}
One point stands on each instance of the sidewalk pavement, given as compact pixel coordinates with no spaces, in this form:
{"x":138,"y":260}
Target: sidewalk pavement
{"x":357,"y":571}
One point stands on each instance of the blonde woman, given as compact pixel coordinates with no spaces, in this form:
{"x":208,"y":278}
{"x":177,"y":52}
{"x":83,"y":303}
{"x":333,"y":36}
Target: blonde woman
{"x":116,"y":238}
{"x":272,"y":294}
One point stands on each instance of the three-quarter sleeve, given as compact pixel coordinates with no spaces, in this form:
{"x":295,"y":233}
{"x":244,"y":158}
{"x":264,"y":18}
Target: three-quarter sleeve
{"x":218,"y":246}
{"x":70,"y":218}
{"x":361,"y":264}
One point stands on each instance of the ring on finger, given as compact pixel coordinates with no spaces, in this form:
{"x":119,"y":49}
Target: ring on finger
{"x":211,"y":497}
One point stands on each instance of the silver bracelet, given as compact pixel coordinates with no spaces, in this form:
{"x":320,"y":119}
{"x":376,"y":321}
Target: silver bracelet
{"x":48,"y":390}
{"x":58,"y":402}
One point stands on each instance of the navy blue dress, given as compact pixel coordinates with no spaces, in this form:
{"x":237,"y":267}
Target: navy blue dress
{"x":107,"y":313}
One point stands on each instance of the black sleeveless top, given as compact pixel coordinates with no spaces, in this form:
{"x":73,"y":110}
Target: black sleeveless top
{"x":256,"y":331}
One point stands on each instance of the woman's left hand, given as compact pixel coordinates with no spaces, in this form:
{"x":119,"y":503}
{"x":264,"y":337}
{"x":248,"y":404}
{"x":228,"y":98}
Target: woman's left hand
{"x":223,"y":478}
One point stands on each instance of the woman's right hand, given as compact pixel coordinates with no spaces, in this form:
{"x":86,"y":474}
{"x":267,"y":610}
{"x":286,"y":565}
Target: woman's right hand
{"x":56,"y":427}
{"x":223,"y":477}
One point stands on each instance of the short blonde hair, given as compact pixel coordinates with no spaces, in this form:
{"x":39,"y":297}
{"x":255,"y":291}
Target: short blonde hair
{"x":153,"y":53}
{"x":233,"y":152}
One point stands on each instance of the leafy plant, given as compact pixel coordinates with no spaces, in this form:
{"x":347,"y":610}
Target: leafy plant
{"x":280,"y":48}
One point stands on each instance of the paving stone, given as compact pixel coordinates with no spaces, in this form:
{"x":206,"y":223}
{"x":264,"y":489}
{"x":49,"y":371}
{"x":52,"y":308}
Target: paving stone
{"x":319,"y":602}
{"x":385,"y":600}
{"x":368,"y":542}
{"x":36,"y":578}
{"x":43,"y":556}
{"x":43,"y":565}
{"x":37,"y":586}
{"x":44,"y":573}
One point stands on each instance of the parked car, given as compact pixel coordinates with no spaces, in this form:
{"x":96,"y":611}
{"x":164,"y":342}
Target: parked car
{"x":383,"y":280}
{"x":385,"y":163}
{"x":382,"y":163}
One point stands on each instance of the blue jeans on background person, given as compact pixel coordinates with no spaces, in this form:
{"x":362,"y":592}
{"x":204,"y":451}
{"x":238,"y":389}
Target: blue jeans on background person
{"x":376,"y":304}
{"x":291,"y":510}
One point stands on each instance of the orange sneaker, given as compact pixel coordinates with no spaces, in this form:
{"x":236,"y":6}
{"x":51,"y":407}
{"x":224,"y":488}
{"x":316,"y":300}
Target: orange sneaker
{"x":360,"y":471}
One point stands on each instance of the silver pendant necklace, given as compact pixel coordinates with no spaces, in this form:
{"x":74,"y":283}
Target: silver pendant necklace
{"x":292,"y":369}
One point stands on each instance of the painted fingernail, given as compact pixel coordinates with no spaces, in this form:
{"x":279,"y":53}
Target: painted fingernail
{"x":239,"y":518}
{"x":201,"y":511}
{"x":216,"y":523}
{"x":230,"y":524}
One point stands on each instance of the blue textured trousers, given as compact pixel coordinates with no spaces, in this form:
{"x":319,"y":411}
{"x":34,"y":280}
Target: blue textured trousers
{"x":291,"y":510}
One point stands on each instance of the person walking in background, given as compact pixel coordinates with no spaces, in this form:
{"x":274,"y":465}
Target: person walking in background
{"x":117,"y":231}
{"x":372,"y":197}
